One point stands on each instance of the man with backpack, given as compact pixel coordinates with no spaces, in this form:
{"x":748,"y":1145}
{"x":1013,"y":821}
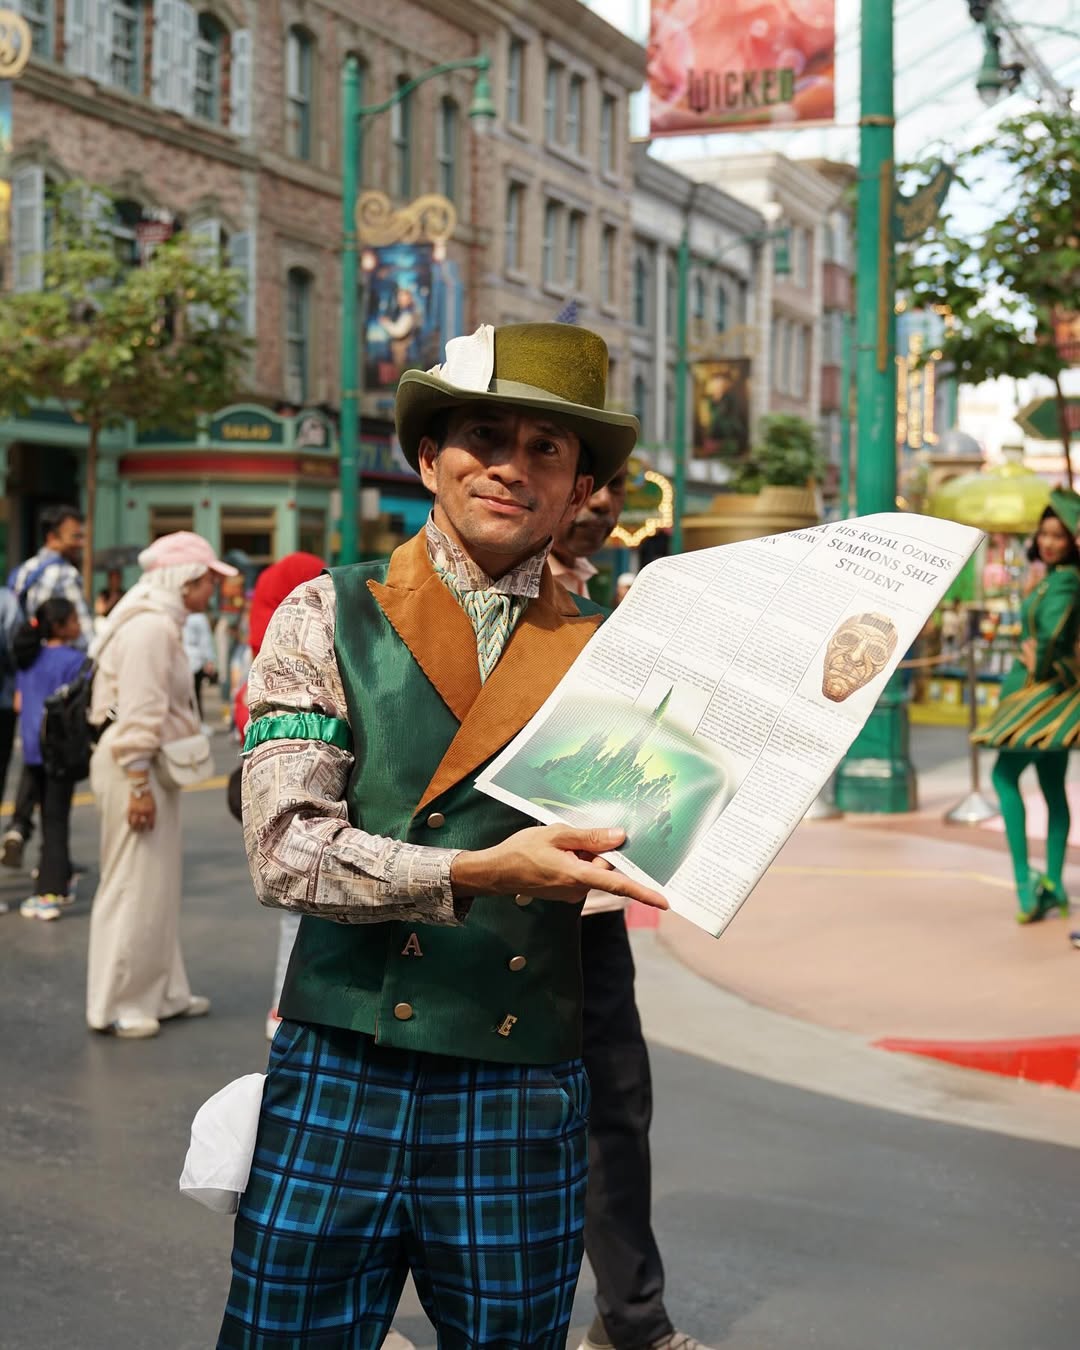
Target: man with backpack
{"x":52,"y":573}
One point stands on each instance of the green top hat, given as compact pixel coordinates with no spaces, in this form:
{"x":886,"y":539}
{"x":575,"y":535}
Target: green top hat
{"x":554,"y":368}
{"x":1065,"y":504}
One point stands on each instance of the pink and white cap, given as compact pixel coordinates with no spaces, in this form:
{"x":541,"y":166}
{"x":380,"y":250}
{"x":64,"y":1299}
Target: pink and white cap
{"x":182,"y":548}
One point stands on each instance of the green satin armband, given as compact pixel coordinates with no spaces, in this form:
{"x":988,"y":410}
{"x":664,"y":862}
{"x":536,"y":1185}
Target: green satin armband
{"x":298,"y":727}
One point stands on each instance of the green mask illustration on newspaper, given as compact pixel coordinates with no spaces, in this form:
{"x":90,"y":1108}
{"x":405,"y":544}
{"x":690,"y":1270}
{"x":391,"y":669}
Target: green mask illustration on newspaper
{"x":643,"y":774}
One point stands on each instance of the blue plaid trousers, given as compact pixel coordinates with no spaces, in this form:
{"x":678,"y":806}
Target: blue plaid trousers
{"x":373,"y":1162}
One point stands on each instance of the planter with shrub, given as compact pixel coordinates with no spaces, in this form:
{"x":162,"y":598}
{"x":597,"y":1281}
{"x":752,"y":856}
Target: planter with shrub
{"x":773,"y":490}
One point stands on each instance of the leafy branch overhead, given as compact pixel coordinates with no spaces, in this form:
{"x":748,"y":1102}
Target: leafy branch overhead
{"x":1002,"y":288}
{"x":157,"y":344}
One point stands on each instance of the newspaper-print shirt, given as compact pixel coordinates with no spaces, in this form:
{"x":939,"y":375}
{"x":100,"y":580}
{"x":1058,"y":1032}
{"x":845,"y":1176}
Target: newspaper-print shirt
{"x":304,"y":854}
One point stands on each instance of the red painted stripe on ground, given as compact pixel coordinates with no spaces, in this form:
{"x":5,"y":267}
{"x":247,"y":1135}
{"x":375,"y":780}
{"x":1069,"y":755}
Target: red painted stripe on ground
{"x":1050,"y":1059}
{"x":641,"y":916}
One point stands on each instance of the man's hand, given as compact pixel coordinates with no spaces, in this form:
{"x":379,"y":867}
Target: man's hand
{"x":550,"y":862}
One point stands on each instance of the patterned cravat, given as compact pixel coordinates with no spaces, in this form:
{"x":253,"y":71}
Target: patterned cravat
{"x":492,"y":615}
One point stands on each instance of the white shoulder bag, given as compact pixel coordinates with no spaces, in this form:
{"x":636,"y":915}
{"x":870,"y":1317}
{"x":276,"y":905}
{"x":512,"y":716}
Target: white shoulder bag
{"x":186,"y":761}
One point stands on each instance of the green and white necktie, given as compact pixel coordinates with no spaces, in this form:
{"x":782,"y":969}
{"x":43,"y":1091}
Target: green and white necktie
{"x":492,"y":614}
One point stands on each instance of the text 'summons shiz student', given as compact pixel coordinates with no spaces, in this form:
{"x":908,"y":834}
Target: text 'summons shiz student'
{"x":45,"y":661}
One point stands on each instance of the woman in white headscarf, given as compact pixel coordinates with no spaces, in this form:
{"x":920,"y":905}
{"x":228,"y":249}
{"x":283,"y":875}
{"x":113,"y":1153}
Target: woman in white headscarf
{"x":144,"y":698}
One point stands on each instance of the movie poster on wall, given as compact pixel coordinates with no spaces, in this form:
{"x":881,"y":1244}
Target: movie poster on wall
{"x":740,"y":65}
{"x":403,"y":322}
{"x":721,"y":424}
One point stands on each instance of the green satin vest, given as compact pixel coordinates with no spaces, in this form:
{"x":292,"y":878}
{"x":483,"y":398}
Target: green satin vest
{"x":448,"y":990}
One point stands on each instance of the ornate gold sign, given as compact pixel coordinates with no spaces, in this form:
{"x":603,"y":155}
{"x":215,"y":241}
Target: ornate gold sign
{"x":649,"y":504}
{"x":15,"y":44}
{"x":429,"y":219}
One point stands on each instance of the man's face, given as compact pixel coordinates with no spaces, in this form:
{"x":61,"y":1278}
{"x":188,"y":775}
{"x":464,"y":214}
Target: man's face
{"x":505,"y":481}
{"x":857,"y":652}
{"x":68,"y":539}
{"x":589,"y":529}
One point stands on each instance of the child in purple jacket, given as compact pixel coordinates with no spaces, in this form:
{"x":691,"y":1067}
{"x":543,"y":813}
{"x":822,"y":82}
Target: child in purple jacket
{"x":45,"y":661}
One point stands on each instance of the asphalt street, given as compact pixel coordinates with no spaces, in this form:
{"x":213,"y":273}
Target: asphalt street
{"x":788,"y":1219}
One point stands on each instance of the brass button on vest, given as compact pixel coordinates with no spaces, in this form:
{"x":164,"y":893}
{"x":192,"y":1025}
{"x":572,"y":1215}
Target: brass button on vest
{"x":402,"y":1011}
{"x":522,"y":900}
{"x":517,"y":963}
{"x":436,"y":820}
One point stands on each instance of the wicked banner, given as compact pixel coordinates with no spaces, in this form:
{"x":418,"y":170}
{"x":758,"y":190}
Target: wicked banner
{"x":736,"y":65}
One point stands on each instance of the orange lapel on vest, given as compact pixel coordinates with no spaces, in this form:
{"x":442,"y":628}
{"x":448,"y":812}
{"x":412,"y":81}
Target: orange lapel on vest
{"x":434,"y":627}
{"x":431,"y":624}
{"x":542,"y":648}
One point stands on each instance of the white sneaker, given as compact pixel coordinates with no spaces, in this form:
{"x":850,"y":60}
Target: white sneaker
{"x":135,"y":1028}
{"x":199,"y":1006}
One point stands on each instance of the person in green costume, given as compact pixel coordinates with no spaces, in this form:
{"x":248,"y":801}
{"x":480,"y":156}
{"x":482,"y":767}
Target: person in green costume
{"x":1038,"y":718}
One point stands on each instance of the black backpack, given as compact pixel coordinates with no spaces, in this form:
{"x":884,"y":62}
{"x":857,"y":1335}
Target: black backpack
{"x":67,"y":738}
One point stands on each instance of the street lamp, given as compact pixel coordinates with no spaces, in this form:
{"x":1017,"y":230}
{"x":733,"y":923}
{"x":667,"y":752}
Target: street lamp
{"x":993,"y":78}
{"x":782,"y":265}
{"x":481,"y":113}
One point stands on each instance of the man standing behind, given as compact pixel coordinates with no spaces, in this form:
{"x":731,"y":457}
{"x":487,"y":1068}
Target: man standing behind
{"x":53,"y":571}
{"x":619,"y":1239}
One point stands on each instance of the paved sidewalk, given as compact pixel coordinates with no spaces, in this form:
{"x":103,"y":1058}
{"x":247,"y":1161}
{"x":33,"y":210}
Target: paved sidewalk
{"x":902,"y":927}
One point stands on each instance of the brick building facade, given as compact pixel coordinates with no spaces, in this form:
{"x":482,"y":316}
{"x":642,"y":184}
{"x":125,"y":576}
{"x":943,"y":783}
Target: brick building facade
{"x":224,"y":117}
{"x":802,"y":303}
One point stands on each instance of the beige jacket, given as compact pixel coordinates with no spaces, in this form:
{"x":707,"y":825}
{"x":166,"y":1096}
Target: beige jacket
{"x":144,"y":680}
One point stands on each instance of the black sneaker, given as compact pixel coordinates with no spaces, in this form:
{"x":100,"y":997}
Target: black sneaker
{"x":11,"y":849}
{"x":1074,"y":938}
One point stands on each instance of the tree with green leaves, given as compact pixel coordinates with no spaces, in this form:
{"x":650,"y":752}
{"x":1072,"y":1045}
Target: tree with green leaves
{"x":1002,"y":289}
{"x":156,"y":345}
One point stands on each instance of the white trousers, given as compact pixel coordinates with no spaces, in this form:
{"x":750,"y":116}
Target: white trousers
{"x":135,"y":967}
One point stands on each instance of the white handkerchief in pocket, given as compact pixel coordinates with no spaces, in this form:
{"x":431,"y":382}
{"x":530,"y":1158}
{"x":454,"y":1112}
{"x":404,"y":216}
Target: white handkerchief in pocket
{"x":218,"y":1161}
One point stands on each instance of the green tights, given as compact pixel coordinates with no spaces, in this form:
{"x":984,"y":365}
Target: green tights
{"x":1051,"y":767}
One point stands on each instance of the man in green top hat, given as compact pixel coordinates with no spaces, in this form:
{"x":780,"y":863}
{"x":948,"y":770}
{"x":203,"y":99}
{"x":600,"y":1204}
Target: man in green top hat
{"x":425,"y":1102}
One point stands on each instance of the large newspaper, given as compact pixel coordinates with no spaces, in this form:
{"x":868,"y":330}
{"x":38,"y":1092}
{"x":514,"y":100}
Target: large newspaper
{"x":709,"y":711}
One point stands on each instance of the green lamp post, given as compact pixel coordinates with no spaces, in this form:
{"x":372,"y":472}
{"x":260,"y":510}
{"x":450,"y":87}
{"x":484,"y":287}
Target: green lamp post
{"x":482,"y":113}
{"x":877,"y":775}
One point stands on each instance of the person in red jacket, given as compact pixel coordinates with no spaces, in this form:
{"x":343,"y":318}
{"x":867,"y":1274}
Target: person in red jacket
{"x":271,"y":588}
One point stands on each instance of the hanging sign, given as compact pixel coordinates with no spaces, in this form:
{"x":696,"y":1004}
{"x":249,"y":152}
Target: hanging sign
{"x":740,"y":65}
{"x":914,"y":215}
{"x":721,"y":413}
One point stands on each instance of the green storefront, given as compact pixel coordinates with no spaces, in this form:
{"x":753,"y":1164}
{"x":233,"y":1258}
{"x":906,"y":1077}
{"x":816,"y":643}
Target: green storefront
{"x":250,"y":480}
